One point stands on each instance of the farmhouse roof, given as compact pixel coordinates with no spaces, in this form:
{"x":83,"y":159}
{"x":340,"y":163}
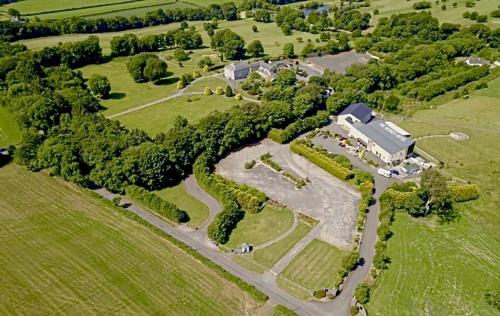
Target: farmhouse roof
{"x":384,"y":136}
{"x":238,"y":66}
{"x":360,"y":111}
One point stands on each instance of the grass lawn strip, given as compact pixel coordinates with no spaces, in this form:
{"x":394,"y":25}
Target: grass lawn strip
{"x":9,"y":132}
{"x":198,"y":212}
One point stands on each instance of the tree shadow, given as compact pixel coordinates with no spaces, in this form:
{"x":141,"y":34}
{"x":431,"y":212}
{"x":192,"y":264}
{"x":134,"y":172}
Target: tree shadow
{"x":166,"y":81}
{"x":117,"y":95}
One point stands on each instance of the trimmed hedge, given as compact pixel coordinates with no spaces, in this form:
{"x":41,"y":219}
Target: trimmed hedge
{"x":298,"y":127}
{"x":157,"y":204}
{"x":242,"y":285}
{"x":321,"y":160}
{"x":464,"y":193}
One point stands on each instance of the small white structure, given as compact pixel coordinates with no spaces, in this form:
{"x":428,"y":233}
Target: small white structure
{"x":475,"y":61}
{"x":391,"y":145}
{"x":237,"y":71}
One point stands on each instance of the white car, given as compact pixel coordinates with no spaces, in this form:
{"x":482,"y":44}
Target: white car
{"x":384,"y":172}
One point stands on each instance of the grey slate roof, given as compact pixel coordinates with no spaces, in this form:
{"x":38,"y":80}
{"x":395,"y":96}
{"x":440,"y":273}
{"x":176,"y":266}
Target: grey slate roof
{"x":384,"y":136}
{"x":238,"y":66}
{"x":360,"y":111}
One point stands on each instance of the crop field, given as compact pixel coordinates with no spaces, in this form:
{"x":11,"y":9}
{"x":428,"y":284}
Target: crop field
{"x":258,"y":228}
{"x":313,"y":268}
{"x":264,"y":259}
{"x":446,"y":269}
{"x":160,"y":117}
{"x":9,"y":132}
{"x":66,"y":252}
{"x":198,"y":212}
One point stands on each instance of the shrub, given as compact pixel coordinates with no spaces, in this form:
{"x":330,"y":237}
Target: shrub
{"x":319,"y":294}
{"x":180,"y":84}
{"x":298,"y":127}
{"x":250,"y":164}
{"x":180,"y":54}
{"x":157,"y":204}
{"x":422,"y":5}
{"x":196,"y":74}
{"x":362,"y":293}
{"x":463,"y":193}
{"x":238,"y":97}
{"x":207,"y":91}
{"x":267,"y":159}
{"x":229,"y":91}
{"x":255,"y":29}
{"x":219,"y":91}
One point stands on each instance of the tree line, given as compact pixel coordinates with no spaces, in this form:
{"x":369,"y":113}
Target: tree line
{"x":17,"y":30}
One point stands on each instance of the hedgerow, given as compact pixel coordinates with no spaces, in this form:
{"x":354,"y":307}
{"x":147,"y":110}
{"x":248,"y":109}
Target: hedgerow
{"x":157,"y":204}
{"x":300,"y":126}
{"x":464,"y":193}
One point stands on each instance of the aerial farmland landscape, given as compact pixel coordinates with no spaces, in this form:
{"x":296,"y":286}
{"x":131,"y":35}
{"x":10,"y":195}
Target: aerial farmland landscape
{"x":250,"y":157}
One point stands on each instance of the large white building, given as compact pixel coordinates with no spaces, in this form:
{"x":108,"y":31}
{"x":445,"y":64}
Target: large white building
{"x":385,"y":140}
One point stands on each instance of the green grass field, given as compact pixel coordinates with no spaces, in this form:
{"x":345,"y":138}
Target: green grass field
{"x":160,"y":117}
{"x":65,"y":252}
{"x":198,"y":212}
{"x":313,"y":268}
{"x":9,"y":132}
{"x":264,"y":259}
{"x":258,"y":228}
{"x":446,"y":269}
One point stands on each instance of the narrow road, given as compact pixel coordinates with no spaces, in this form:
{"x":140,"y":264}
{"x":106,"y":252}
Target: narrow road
{"x":180,"y":93}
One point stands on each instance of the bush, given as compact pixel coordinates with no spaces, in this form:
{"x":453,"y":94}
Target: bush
{"x":219,"y":91}
{"x":463,"y":193}
{"x":207,"y":91}
{"x":180,"y":54}
{"x":229,"y":91}
{"x":422,"y":5}
{"x":238,"y":97}
{"x":196,"y":74}
{"x":250,"y":164}
{"x":319,"y":294}
{"x":157,"y":204}
{"x":362,"y":293}
{"x":321,"y":160}
{"x":267,"y":159}
{"x":298,"y":127}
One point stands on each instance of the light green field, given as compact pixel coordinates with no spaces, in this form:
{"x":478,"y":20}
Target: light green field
{"x":160,"y":117}
{"x":9,"y":132}
{"x":212,"y":83}
{"x":198,"y":212}
{"x":269,"y":34}
{"x":258,"y":228}
{"x":450,"y":15}
{"x":313,"y":268}
{"x":446,"y":269}
{"x":65,"y":252}
{"x":264,"y":259}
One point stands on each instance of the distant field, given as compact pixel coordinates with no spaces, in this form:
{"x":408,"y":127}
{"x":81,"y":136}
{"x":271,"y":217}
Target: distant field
{"x":57,"y":9}
{"x":65,"y":252}
{"x":313,"y":268}
{"x":446,"y":269}
{"x":198,"y":212}
{"x":160,"y":117}
{"x":9,"y":132}
{"x":258,"y":228}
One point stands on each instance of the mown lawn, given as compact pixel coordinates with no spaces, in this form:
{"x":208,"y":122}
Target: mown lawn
{"x":9,"y":132}
{"x":160,"y":117}
{"x":313,"y":268}
{"x":63,"y":251}
{"x":258,"y":228}
{"x":446,"y":269}
{"x":264,"y":259}
{"x":198,"y":212}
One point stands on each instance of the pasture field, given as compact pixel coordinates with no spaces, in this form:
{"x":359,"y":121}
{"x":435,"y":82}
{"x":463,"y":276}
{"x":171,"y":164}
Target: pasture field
{"x":9,"y":132}
{"x":258,"y":228}
{"x":313,"y":268}
{"x":446,"y":269}
{"x":450,"y":15}
{"x":264,"y":259}
{"x":198,"y":212}
{"x":160,"y":117}
{"x":63,"y":251}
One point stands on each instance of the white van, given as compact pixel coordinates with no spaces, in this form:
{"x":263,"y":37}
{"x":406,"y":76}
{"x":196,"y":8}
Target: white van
{"x":384,"y":172}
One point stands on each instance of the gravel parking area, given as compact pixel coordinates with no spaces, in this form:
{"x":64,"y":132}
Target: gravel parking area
{"x":325,"y":198}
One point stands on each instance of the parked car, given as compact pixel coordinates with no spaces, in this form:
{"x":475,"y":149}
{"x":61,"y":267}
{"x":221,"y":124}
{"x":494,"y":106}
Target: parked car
{"x":384,"y":172}
{"x":395,"y":172}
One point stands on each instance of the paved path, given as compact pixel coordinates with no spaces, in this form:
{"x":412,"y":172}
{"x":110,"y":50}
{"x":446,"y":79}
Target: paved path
{"x":179,"y":93}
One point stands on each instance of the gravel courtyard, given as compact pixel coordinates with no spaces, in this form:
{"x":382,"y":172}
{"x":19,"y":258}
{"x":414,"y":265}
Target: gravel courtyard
{"x":325,"y":198}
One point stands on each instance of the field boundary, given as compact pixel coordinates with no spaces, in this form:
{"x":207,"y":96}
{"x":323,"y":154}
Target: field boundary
{"x":128,"y":9}
{"x":82,"y":8}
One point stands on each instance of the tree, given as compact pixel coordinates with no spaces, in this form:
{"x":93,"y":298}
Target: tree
{"x":262,"y":16}
{"x":125,"y":45}
{"x":207,"y":91}
{"x":255,"y":29}
{"x":230,"y":44}
{"x":100,"y":86}
{"x":229,"y":91}
{"x":146,"y":67}
{"x":13,"y":13}
{"x":436,"y":192}
{"x":289,"y":51}
{"x":308,"y":49}
{"x":362,"y":293}
{"x":255,"y":48}
{"x":180,"y":54}
{"x":363,"y":44}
